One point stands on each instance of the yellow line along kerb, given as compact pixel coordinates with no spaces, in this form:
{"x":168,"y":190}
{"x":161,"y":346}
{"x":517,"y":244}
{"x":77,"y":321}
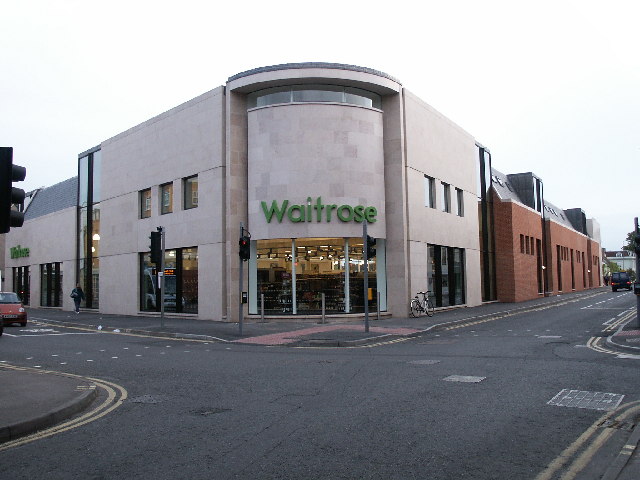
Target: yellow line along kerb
{"x":116,"y":395}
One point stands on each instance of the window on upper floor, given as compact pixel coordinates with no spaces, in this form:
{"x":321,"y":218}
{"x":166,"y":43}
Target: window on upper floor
{"x":446,"y":197}
{"x":314,"y":94}
{"x":460,"y":202}
{"x":429,"y":192}
{"x":190,"y":192}
{"x":145,"y":203}
{"x":166,"y":198}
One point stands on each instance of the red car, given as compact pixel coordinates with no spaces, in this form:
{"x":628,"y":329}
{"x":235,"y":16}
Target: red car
{"x":12,"y":310}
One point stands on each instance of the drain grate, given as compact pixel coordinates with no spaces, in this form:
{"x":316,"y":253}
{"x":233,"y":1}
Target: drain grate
{"x":584,"y":399}
{"x":611,"y":423}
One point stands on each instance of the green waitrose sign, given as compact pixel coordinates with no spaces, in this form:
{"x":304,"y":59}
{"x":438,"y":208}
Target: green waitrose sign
{"x":318,"y":212}
{"x":19,"y":252}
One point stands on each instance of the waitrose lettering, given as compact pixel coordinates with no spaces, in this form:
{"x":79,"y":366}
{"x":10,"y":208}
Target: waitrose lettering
{"x":318,"y":212}
{"x":19,"y":252}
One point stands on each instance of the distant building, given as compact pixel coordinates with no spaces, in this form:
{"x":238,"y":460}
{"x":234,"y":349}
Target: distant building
{"x":623,"y":258}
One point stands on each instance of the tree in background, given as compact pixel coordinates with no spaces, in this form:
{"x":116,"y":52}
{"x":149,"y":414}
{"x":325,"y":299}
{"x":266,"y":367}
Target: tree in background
{"x":630,"y":244}
{"x":632,"y":274}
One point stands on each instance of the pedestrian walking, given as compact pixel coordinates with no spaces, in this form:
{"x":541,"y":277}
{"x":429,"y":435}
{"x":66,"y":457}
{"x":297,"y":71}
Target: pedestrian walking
{"x":78,"y":295}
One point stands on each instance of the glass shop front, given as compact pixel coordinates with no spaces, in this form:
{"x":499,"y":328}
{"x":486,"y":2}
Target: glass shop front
{"x":289,"y":276}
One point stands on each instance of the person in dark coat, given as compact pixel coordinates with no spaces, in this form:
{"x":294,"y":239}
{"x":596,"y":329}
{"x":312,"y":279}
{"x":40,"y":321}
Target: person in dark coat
{"x":78,"y":295}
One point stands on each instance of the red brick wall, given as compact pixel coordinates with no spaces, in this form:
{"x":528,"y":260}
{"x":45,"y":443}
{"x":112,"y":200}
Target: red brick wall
{"x":586,"y":272}
{"x":517,"y":272}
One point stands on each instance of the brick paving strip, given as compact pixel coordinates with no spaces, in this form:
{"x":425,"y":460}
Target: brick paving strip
{"x":296,"y":335}
{"x":628,"y":332}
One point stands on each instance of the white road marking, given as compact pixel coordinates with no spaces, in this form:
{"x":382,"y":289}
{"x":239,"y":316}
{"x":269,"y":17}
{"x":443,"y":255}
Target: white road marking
{"x":629,"y":356}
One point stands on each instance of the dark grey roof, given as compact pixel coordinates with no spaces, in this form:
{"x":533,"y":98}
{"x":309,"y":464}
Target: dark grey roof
{"x":502,"y":187}
{"x":506,"y":191}
{"x":53,"y":199}
{"x":288,"y":66}
{"x":556,"y":213}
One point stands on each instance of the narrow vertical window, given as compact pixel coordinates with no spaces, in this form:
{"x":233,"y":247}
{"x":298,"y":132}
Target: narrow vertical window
{"x":190,"y":189}
{"x":166,"y":198}
{"x":460,"y":200}
{"x":429,"y":192}
{"x":521,"y":243}
{"x":145,"y":203}
{"x":446,"y":197}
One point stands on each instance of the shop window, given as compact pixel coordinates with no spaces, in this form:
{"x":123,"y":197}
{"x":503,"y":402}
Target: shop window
{"x":181,"y":282}
{"x":145,"y":203}
{"x":446,"y":275}
{"x":21,"y":283}
{"x":190,"y":191}
{"x":166,"y":198}
{"x":51,"y":285}
{"x":292,"y":275}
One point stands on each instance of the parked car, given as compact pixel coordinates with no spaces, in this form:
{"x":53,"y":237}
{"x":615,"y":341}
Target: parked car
{"x":12,"y":310}
{"x":620,"y":280}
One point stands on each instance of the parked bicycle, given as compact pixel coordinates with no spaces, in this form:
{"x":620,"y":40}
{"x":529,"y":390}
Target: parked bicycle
{"x":418,"y":307}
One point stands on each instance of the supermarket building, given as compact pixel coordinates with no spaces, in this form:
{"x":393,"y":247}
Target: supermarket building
{"x":301,"y":156}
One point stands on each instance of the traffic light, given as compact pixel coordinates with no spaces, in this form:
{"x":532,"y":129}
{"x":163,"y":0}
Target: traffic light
{"x":637,"y":245}
{"x":156,"y":248}
{"x":245,"y":247}
{"x":10,"y":195}
{"x":371,"y":247}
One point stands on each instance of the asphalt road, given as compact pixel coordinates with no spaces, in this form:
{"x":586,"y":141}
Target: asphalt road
{"x":465,"y":403}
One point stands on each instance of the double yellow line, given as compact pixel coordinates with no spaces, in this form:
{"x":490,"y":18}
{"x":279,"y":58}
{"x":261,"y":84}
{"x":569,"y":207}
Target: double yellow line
{"x":578,"y":455}
{"x":512,"y":313}
{"x":594,"y":343}
{"x":115,"y":396}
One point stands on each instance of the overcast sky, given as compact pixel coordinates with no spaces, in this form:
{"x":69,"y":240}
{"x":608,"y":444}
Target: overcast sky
{"x":551,"y":87}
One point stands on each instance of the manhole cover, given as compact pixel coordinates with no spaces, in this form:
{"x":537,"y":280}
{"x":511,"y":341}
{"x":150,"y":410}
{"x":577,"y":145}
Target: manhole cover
{"x":584,"y":399}
{"x":463,"y":379}
{"x":424,"y":362}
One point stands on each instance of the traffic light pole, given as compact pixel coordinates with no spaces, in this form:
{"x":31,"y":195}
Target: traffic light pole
{"x":365,"y":255}
{"x":637,"y":282}
{"x":161,"y":229}
{"x":240,"y":286}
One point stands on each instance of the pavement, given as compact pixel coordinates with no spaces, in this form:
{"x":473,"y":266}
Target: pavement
{"x":32,"y":400}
